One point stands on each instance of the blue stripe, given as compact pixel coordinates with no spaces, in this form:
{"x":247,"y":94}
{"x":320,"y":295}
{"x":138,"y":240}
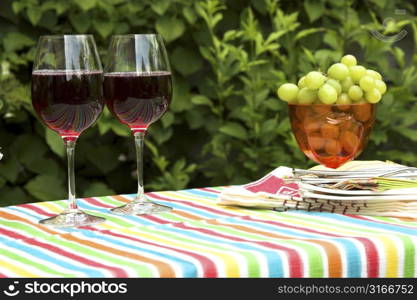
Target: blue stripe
{"x":200,"y":193}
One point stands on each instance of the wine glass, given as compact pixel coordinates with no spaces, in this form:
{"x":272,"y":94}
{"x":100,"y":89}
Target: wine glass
{"x":332,"y":135}
{"x":138,"y":90}
{"x":67,"y":95}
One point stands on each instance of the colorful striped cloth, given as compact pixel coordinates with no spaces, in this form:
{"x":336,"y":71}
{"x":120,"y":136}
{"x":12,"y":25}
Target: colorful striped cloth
{"x":199,"y":238}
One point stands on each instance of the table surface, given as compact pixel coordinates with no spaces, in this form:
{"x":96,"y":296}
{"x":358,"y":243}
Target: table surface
{"x":199,"y":238}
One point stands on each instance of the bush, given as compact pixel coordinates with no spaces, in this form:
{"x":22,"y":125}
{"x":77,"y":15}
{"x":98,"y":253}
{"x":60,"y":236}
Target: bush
{"x":225,"y":124}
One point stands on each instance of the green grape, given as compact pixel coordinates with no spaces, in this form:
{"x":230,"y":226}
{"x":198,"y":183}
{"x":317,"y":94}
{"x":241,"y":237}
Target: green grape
{"x":314,"y":80}
{"x":301,"y":82}
{"x":355,"y":93}
{"x":357,"y":72}
{"x":327,"y":94}
{"x":374,"y":74}
{"x":380,"y":85}
{"x":288,"y":92}
{"x":373,"y":96}
{"x":338,"y":71}
{"x":334,"y":83}
{"x":348,"y":60}
{"x":346,"y":84}
{"x":343,"y":99}
{"x":306,"y":96}
{"x":367,"y":83}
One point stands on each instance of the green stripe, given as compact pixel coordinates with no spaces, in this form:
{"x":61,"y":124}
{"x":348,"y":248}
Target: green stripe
{"x":141,"y":269}
{"x":32,"y":263}
{"x":172,"y":217}
{"x":409,"y":254}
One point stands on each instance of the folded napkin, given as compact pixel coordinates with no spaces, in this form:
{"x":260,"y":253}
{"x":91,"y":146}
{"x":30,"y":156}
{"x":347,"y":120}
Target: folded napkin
{"x":273,"y":192}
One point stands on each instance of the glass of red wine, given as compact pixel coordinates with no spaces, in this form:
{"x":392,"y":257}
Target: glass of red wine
{"x":138,"y":90}
{"x":67,"y":95}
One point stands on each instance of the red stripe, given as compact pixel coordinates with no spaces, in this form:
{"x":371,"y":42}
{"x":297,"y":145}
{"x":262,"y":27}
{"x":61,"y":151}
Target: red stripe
{"x":115,"y":271}
{"x":209,"y":268}
{"x":97,"y":203}
{"x":294,"y":259}
{"x":372,"y":255}
{"x":2,"y":275}
{"x":37,"y":210}
{"x":155,"y":219}
{"x":189,"y":203}
{"x":209,"y":190}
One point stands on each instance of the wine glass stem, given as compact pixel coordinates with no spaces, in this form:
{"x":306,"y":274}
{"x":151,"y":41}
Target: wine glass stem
{"x":72,"y":202}
{"x":139,"y":141}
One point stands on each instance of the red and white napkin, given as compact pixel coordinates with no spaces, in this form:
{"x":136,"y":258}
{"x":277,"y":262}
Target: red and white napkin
{"x":273,"y":192}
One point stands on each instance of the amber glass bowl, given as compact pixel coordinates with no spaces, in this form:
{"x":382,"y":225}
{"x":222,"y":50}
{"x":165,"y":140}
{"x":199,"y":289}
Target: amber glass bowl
{"x":332,"y":135}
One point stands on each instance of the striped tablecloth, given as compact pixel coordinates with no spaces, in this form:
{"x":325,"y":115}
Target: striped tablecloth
{"x":201,"y":239}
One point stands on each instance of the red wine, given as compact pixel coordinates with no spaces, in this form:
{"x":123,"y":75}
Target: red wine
{"x":137,"y":99}
{"x":68,"y":102}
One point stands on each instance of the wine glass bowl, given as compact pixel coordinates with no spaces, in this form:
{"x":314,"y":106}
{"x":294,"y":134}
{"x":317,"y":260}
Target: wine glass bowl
{"x":332,"y":135}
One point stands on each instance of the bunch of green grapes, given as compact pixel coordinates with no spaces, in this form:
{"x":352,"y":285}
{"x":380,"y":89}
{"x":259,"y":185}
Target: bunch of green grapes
{"x":345,"y":83}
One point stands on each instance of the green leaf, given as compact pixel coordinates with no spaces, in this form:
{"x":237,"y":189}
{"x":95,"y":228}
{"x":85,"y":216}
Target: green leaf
{"x":234,"y":129}
{"x":10,"y":168}
{"x":13,"y":196}
{"x":314,"y":9}
{"x":189,"y":14}
{"x":160,"y":6}
{"x":168,"y":119}
{"x":14,"y":41}
{"x":201,"y":100}
{"x":96,"y":189}
{"x":105,"y":158}
{"x":186,"y":61}
{"x":181,"y":95}
{"x":104,"y":28}
{"x":46,"y":187}
{"x":86,"y":4}
{"x":306,"y":32}
{"x":80,"y":21}
{"x":34,"y":14}
{"x":119,"y":129}
{"x":55,"y":142}
{"x":170,"y":28}
{"x":17,"y":6}
{"x":24,"y":147}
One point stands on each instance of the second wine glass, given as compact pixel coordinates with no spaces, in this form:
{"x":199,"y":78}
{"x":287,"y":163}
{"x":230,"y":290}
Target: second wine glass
{"x":138,"y":90}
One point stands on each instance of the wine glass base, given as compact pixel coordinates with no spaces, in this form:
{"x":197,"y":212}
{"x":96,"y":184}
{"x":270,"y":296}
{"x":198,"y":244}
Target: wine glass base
{"x":140,"y":208}
{"x":75,"y":218}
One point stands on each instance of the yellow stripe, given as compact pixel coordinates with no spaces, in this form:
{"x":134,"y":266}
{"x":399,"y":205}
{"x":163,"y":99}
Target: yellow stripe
{"x":17,"y":270}
{"x":50,"y":207}
{"x":230,"y":264}
{"x":391,"y":256}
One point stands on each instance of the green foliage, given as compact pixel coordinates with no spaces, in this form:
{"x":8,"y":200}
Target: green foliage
{"x":225,"y":124}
